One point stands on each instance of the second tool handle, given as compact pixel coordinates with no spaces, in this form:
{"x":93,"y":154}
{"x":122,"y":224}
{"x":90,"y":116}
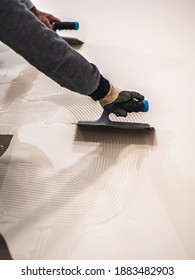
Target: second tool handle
{"x":61,"y":25}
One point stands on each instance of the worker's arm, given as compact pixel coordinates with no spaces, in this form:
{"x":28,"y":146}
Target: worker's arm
{"x":49,"y":53}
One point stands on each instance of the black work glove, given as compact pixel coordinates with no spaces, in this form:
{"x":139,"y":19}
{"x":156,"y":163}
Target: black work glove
{"x":120,"y":102}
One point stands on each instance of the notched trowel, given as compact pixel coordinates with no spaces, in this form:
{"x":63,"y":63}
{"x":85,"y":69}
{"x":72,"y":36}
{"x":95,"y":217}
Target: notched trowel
{"x":104,"y":121}
{"x":73,"y":42}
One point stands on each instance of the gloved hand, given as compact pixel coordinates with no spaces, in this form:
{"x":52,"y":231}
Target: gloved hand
{"x":120,"y":102}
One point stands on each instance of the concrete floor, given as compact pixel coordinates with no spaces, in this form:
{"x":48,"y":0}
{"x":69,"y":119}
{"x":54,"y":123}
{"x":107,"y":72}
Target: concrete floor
{"x":68,"y":194}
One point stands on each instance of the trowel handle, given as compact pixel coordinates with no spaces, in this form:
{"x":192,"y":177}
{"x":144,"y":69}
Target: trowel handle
{"x":65,"y":25}
{"x":146,"y":105}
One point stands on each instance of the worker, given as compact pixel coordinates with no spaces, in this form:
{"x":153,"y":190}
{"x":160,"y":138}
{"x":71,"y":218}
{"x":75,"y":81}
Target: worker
{"x":22,"y":30}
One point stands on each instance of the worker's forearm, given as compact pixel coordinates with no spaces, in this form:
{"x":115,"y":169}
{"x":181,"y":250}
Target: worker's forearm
{"x":44,"y":49}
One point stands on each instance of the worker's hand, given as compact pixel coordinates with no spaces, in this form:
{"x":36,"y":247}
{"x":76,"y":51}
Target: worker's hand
{"x":46,"y":18}
{"x":120,"y":102}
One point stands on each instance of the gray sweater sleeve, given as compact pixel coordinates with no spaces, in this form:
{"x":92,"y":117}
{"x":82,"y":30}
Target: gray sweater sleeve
{"x":48,"y":52}
{"x":27,"y":3}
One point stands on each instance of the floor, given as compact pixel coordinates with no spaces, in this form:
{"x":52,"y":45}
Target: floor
{"x":66,"y":193}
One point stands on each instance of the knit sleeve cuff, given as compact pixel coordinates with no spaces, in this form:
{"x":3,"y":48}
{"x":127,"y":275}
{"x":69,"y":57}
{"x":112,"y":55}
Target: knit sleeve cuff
{"x":102,"y":89}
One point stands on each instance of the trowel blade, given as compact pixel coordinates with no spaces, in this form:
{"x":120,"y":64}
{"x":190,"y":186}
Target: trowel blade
{"x":72,"y":41}
{"x":113,"y":124}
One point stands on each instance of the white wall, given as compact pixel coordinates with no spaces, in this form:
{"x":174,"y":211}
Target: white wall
{"x":106,"y":195}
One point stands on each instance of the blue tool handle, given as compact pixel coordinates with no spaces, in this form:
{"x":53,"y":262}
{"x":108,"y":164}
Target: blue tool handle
{"x":135,"y":106}
{"x":146,"y":106}
{"x":67,"y":25}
